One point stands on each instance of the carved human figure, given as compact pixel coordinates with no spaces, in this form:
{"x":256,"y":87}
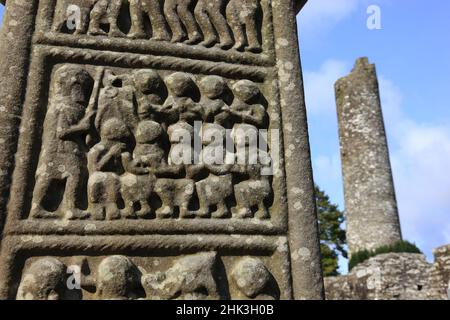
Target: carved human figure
{"x":45,"y":279}
{"x":209,"y":15}
{"x":150,"y":91}
{"x":192,"y":277}
{"x":254,"y":280}
{"x":105,"y":168}
{"x":176,"y":192}
{"x":218,"y":186}
{"x":118,"y":278}
{"x":65,"y":9}
{"x":178,"y":13}
{"x":116,"y":100}
{"x":138,"y":183}
{"x":252,"y":192}
{"x":106,"y":11}
{"x":247,"y":107}
{"x":212,"y":100}
{"x":153,"y":10}
{"x":180,"y":104}
{"x":242,"y":17}
{"x":63,"y":156}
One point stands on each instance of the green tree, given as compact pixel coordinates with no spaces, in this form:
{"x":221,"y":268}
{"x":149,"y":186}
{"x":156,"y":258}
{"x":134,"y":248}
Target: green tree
{"x":332,"y":234}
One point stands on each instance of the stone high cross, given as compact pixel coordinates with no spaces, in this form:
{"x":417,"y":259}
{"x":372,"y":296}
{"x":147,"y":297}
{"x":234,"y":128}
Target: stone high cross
{"x":94,"y":97}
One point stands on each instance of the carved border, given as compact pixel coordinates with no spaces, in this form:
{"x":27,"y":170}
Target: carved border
{"x":20,"y":248}
{"x":266,"y":58}
{"x":89,"y":56}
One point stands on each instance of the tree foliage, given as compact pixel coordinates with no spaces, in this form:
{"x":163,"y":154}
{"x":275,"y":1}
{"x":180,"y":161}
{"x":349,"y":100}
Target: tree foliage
{"x":332,"y":234}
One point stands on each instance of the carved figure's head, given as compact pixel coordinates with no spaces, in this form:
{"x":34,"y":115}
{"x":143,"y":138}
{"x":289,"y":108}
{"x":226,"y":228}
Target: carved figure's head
{"x":117,"y":278}
{"x":114,"y":130}
{"x":251,"y":276}
{"x":180,"y":84}
{"x":148,"y":132}
{"x":43,"y":280}
{"x":148,"y":81}
{"x":212,"y":86}
{"x":73,"y":82}
{"x":246,"y":91}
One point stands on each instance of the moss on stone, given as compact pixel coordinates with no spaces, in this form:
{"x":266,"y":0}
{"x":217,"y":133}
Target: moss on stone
{"x":398,"y":247}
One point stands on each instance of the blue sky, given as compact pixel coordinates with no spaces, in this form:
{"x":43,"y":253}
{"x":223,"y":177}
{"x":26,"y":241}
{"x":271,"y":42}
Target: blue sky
{"x":412,"y":54}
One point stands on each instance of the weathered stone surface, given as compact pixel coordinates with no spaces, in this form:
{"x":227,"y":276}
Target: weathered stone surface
{"x":43,"y":280}
{"x":96,"y":111}
{"x":253,"y":280}
{"x":440,"y":271}
{"x":370,"y":203}
{"x":393,"y":276}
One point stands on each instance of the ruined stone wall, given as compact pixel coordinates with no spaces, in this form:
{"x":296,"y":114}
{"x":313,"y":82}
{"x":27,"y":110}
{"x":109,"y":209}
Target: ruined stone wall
{"x":440,"y":271}
{"x":393,"y":276}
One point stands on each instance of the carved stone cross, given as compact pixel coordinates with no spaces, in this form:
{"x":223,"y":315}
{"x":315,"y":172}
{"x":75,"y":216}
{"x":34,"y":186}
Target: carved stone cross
{"x":155,"y":150}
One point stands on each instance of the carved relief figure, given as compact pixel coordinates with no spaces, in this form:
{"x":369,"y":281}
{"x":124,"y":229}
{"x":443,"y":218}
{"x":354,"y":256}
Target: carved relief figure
{"x":254,"y":191}
{"x":105,"y":167}
{"x":179,"y":191}
{"x":253,"y":280}
{"x":138,"y":182}
{"x":152,"y":9}
{"x":192,"y":277}
{"x":150,"y":93}
{"x":214,"y":107}
{"x":142,"y":147}
{"x":224,"y":23}
{"x":179,"y":16}
{"x":218,"y":186}
{"x":209,"y":15}
{"x":106,"y":11}
{"x":246,"y":107}
{"x":118,"y":279}
{"x":63,"y":156}
{"x":180,"y":105}
{"x":116,"y":100}
{"x":242,"y":17}
{"x":45,"y":279}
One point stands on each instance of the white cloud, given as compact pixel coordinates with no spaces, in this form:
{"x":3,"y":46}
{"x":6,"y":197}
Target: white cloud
{"x":420,"y":155}
{"x":420,"y":165}
{"x":319,"y":87}
{"x":391,"y":100}
{"x":321,"y":15}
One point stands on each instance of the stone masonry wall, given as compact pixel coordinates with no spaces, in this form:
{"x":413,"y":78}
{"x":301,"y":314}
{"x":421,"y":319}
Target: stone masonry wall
{"x":394,"y":276}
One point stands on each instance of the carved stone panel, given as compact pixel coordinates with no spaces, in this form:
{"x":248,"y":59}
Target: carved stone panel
{"x":200,"y":276}
{"x":156,"y":150}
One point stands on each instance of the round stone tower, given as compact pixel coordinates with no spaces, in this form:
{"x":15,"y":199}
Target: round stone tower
{"x":370,"y":202}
